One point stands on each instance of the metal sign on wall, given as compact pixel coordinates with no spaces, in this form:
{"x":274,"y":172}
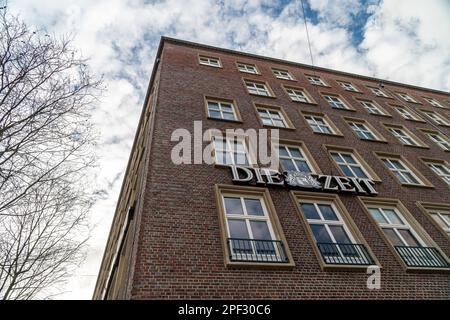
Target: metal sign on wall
{"x":302,"y":180}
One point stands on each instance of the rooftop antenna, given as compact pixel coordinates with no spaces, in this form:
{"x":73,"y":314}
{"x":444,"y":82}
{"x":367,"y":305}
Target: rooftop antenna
{"x":317,"y":95}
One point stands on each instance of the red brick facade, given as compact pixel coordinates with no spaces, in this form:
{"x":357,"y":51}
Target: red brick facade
{"x":174,"y":239}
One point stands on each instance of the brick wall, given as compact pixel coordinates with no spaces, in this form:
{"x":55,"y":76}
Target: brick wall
{"x":179,"y":252}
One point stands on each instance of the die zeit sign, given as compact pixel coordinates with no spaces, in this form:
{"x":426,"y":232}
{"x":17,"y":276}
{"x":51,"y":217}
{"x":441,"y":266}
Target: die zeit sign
{"x":304,"y":180}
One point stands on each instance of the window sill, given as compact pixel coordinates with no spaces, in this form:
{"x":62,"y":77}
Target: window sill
{"x":275,"y":127}
{"x":307,"y":103}
{"x":415,"y":120}
{"x":417,"y":186}
{"x":426,"y":270}
{"x":224,"y":120}
{"x":380,"y":115}
{"x":350,"y":91}
{"x":342,"y":109}
{"x":259,"y":265}
{"x":371,"y":140}
{"x":351,"y":268}
{"x":262,"y":96}
{"x":420,"y":147}
{"x":330,"y":134}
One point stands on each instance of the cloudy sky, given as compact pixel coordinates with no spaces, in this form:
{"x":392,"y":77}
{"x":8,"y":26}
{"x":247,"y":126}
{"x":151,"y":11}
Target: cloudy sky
{"x":401,"y":40}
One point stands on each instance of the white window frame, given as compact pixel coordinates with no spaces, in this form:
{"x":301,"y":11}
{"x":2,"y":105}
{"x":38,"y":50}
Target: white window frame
{"x":378,"y":92}
{"x":348,"y":164}
{"x":298,"y":95}
{"x":434,"y":166}
{"x":406,"y":114}
{"x":292,"y":158}
{"x":220,"y":106}
{"x":370,"y":106}
{"x":336,"y":102}
{"x":327,"y":223}
{"x":247,"y":218}
{"x":209,"y":61}
{"x":317,"y":81}
{"x":312,"y":121}
{"x":229,"y":150}
{"x":282,"y":74}
{"x":258,"y":88}
{"x":434,"y":103}
{"x":439,"y":140}
{"x":438,"y":214}
{"x":364,"y":132}
{"x":347,"y":86}
{"x":401,"y":172}
{"x":404,"y":137}
{"x":270,"y":117}
{"x":396,"y":226}
{"x":436,"y":118}
{"x":406,"y":97}
{"x":247,"y":68}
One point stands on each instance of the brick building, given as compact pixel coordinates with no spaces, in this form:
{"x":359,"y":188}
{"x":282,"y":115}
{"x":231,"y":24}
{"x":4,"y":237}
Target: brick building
{"x":188,"y":231}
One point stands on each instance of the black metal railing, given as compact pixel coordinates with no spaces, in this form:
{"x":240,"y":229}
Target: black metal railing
{"x":345,"y":253}
{"x":257,"y":250}
{"x":422,"y":257}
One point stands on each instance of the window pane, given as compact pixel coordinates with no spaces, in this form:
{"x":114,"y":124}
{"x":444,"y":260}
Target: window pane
{"x":348,"y":158}
{"x":376,"y":214}
{"x":392,"y":216}
{"x":347,"y":171}
{"x":282,"y":151}
{"x":295,"y":152}
{"x":213,"y":105}
{"x":240,"y":159}
{"x":254,"y":207}
{"x":214,"y":114}
{"x":320,"y":233}
{"x":411,"y":178}
{"x":266,"y":122}
{"x":260,"y":230}
{"x":288,"y":165}
{"x":392,"y":237}
{"x":302,"y":166}
{"x":327,"y":212}
{"x":278,"y":123}
{"x":233,"y":205}
{"x":339,"y":234}
{"x":219,"y":144}
{"x":359,"y":172}
{"x":310,"y":211}
{"x":409,"y":238}
{"x":238,"y":229}
{"x":228,"y":116}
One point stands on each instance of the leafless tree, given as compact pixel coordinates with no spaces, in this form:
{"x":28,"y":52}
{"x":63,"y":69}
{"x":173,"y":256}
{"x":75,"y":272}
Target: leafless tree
{"x":46,"y":148}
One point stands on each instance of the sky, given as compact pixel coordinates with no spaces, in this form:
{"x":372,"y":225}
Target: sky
{"x":400,"y":40}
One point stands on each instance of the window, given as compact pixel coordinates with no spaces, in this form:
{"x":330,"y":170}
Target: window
{"x":436,"y":118}
{"x":378,"y":92}
{"x":337,"y":239}
{"x":219,"y":109}
{"x":316,"y":81}
{"x":412,"y":244}
{"x":282,"y":74}
{"x":402,"y":172}
{"x":336,"y":102}
{"x":349,"y":165}
{"x":362,"y":131}
{"x":251,"y":230}
{"x":403,"y":136}
{"x":442,"y":218}
{"x":439,"y":213}
{"x":293,"y":158}
{"x":209,"y":61}
{"x":348,"y":86}
{"x":439,"y":139}
{"x":406,"y":97}
{"x":272,"y":117}
{"x":319,"y":124}
{"x":231,"y":150}
{"x":371,"y":107}
{"x":298,"y":95}
{"x":406,"y":114}
{"x":247,"y":68}
{"x":395,"y":227}
{"x":258,"y":88}
{"x":441,"y":169}
{"x":434,"y":102}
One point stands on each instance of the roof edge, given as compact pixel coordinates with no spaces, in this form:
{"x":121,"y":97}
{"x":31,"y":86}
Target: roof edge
{"x":298,"y":64}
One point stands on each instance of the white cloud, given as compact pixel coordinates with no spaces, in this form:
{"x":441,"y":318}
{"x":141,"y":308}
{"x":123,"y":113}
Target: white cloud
{"x":404,"y":40}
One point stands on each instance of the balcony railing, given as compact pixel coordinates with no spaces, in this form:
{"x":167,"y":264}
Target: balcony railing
{"x":345,"y":254}
{"x":428,"y":257}
{"x":251,"y":250}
